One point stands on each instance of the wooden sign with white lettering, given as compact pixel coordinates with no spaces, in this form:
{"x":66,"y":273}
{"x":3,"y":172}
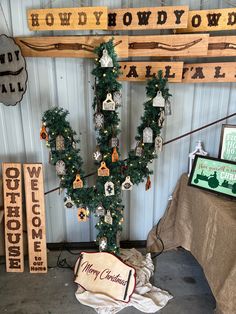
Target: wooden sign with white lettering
{"x":141,"y":71}
{"x":13,"y":217}
{"x":148,"y":18}
{"x":105,"y":273}
{"x":82,"y":18}
{"x":211,"y":20}
{"x":168,"y":45}
{"x":222,"y":46}
{"x":69,"y":46}
{"x":35,"y":209}
{"x":209,"y":72}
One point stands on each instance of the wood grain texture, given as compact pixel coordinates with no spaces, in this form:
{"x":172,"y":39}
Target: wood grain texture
{"x":209,"y":72}
{"x":69,"y":46}
{"x":148,"y":18}
{"x":12,"y":182}
{"x":222,"y":46}
{"x":82,"y":18}
{"x":35,"y":209}
{"x":141,"y":71}
{"x":210,"y":20}
{"x":168,"y":45}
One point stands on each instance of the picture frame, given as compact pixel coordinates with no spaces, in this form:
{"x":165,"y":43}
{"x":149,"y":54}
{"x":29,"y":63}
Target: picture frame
{"x":227,"y":148}
{"x":214,"y":175}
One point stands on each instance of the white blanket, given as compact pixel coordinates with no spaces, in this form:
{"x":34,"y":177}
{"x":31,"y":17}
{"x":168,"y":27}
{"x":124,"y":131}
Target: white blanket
{"x":146,"y":297}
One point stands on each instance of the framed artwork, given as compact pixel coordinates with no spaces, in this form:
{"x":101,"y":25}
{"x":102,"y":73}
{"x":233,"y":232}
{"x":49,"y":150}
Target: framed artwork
{"x":227,"y":148}
{"x":215,"y":175}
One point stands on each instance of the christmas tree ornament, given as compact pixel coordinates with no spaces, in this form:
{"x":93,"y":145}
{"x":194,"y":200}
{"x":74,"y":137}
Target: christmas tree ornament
{"x":158,"y":100}
{"x":161,"y":119}
{"x":148,"y":184}
{"x":167,"y":108}
{"x":103,"y":171}
{"x":117,"y":97}
{"x":108,"y":103}
{"x":147,"y":135}
{"x":68,"y":202}
{"x":102,"y":244}
{"x":109,"y":188}
{"x":114,"y":156}
{"x":60,"y":143}
{"x":43,"y":133}
{"x":78,"y":183}
{"x":100,"y":210}
{"x":158,"y":144}
{"x":139,"y":149}
{"x":118,"y":238}
{"x":74,"y":144}
{"x":114,"y":142}
{"x":127,"y":185}
{"x":106,"y":60}
{"x":99,"y":120}
{"x":60,"y":168}
{"x":108,"y":219}
{"x":82,"y":214}
{"x":97,"y":155}
{"x":197,"y":151}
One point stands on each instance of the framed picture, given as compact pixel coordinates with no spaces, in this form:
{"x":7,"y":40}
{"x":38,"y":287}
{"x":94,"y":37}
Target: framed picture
{"x":214,"y":175}
{"x":227,"y":148}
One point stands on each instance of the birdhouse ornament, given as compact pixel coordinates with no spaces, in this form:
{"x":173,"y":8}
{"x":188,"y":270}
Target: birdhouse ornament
{"x":60,"y":167}
{"x":127,"y":185}
{"x":78,"y":183}
{"x":103,"y":171}
{"x":139,"y":149}
{"x":108,"y":103}
{"x":109,"y":188}
{"x":147,"y":135}
{"x":60,"y":143}
{"x":106,"y":60}
{"x":100,"y":210}
{"x":108,"y":218}
{"x":68,"y":202}
{"x":158,"y":100}
{"x":43,"y":133}
{"x":114,"y":156}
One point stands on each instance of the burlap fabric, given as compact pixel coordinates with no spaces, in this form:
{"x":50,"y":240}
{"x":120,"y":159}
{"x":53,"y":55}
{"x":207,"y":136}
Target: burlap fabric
{"x":205,"y":224}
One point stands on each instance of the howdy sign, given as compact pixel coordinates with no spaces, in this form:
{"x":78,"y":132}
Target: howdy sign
{"x":13,"y":75}
{"x":67,"y":18}
{"x":13,"y":217}
{"x":33,"y":174}
{"x":105,"y":273}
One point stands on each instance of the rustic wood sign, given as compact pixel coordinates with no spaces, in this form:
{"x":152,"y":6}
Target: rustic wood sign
{"x":211,"y":20}
{"x":222,"y":46}
{"x":141,"y":71}
{"x":67,"y":18}
{"x":168,"y":45}
{"x":209,"y":72}
{"x":35,"y":209}
{"x":13,"y":217}
{"x":13,"y":75}
{"x":105,"y":273}
{"x":69,"y":46}
{"x":148,"y":18}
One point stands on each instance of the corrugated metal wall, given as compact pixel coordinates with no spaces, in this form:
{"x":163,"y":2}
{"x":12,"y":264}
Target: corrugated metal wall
{"x":67,"y":83}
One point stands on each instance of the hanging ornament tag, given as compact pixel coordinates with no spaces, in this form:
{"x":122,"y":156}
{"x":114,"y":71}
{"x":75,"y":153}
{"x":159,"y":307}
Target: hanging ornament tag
{"x":117,"y":97}
{"x":103,"y":171}
{"x":158,"y":144}
{"x":148,"y":184}
{"x":78,"y":183}
{"x":109,"y":188}
{"x":82,"y":214}
{"x":43,"y":133}
{"x":102,"y":244}
{"x":114,"y":142}
{"x":167,"y":108}
{"x":161,"y":119}
{"x":60,"y":143}
{"x":100,"y":210}
{"x":60,"y":167}
{"x":127,"y":185}
{"x":99,"y":120}
{"x":108,"y":103}
{"x":115,"y":156}
{"x":106,"y":60}
{"x":147,"y":135}
{"x":97,"y":155}
{"x":139,"y":150}
{"x":68,"y":202}
{"x":108,"y":219}
{"x":158,"y":100}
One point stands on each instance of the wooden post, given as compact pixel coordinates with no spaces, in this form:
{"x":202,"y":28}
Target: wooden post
{"x":13,"y":217}
{"x":35,"y":209}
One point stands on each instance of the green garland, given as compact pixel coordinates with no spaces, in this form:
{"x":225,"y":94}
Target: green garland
{"x":135,"y":167}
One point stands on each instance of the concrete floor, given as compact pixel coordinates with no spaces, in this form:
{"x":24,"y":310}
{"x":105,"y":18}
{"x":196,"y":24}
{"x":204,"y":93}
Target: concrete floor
{"x":53,"y":293}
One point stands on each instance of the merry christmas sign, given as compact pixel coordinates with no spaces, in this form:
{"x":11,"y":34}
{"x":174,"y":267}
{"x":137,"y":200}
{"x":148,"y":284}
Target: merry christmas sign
{"x":105,"y":273}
